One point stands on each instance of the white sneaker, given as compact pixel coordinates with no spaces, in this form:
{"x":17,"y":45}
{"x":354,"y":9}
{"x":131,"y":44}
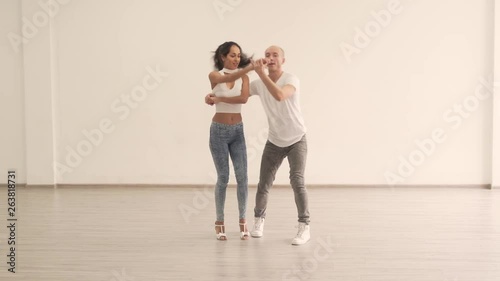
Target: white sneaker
{"x":303,"y":235}
{"x":258,"y":228}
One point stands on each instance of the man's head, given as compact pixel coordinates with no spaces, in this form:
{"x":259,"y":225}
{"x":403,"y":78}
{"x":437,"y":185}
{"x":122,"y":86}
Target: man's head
{"x":275,"y":57}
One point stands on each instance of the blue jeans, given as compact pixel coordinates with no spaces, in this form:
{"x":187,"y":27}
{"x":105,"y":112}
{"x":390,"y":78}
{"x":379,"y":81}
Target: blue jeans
{"x":229,"y":140}
{"x":272,"y":157}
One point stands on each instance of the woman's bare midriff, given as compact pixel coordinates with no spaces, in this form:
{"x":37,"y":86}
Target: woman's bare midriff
{"x":227,"y":118}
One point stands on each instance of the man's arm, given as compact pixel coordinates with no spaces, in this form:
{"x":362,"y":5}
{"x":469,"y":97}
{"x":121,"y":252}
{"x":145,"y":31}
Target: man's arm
{"x":279,"y":94}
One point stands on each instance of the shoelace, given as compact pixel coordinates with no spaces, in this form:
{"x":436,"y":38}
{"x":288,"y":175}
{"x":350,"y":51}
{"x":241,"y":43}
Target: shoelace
{"x":257,"y":224}
{"x":301,"y":230}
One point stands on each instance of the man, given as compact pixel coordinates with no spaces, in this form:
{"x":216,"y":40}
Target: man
{"x":279,"y":93}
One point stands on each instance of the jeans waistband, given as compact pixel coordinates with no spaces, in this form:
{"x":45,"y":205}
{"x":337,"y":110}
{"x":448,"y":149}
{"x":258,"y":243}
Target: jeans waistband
{"x":222,"y":125}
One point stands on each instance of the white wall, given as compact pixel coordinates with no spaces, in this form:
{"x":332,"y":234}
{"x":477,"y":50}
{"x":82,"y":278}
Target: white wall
{"x":364,"y":112}
{"x":39,"y":90}
{"x":495,"y":181}
{"x":12,"y":143}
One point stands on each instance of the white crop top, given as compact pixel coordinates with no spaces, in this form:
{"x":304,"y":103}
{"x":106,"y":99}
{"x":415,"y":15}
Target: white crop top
{"x":222,"y":90}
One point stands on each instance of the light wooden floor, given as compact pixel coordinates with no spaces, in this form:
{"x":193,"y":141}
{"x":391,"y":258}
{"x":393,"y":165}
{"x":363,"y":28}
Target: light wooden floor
{"x":358,"y":234}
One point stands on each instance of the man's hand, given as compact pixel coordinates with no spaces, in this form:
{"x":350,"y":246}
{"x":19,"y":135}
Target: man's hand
{"x":259,"y":66}
{"x":210,"y":99}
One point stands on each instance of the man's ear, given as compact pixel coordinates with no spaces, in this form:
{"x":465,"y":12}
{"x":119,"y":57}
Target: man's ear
{"x":283,"y":61}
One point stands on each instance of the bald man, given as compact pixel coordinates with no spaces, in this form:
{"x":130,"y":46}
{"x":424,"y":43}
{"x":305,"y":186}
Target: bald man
{"x":279,"y":92}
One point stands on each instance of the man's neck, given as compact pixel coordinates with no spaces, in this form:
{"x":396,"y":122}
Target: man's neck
{"x":275,"y":75}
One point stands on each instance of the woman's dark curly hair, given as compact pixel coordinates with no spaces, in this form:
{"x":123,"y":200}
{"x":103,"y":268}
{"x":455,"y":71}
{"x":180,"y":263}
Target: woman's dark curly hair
{"x":223,"y":50}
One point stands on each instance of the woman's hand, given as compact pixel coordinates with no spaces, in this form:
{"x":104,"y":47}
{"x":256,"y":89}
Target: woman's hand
{"x":251,"y":66}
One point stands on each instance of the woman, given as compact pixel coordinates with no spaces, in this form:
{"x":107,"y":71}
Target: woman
{"x":230,"y":89}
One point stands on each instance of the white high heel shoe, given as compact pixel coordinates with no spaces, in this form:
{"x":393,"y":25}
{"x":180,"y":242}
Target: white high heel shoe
{"x":220,"y":232}
{"x":244,"y":235}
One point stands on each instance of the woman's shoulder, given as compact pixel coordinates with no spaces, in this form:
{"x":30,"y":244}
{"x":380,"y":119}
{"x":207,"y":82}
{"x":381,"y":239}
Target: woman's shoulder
{"x":215,"y":72}
{"x":213,"y":76}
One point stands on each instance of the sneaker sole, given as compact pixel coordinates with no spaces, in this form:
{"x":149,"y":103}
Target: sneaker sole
{"x":298,"y":244}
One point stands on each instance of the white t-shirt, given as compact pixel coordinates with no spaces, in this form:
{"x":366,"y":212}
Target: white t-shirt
{"x":222,"y":90}
{"x":286,"y":124}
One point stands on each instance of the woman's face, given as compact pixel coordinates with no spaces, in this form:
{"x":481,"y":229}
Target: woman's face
{"x":232,"y":60}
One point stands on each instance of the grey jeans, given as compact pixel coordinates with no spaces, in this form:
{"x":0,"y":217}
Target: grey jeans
{"x":272,"y":158}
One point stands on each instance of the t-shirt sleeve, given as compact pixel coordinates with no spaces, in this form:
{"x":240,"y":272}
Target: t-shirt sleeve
{"x":254,"y":88}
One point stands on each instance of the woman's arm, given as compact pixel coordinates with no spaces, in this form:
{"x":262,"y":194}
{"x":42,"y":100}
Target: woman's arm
{"x":243,"y":98}
{"x":216,"y":78}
